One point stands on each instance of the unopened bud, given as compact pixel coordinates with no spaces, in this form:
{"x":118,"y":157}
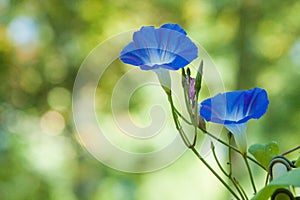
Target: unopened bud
{"x":201,"y":123}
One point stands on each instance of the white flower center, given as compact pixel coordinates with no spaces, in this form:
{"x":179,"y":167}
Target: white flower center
{"x":159,"y":57}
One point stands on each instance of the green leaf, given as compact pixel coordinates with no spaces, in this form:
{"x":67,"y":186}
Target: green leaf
{"x":197,"y":86}
{"x":266,"y":192}
{"x":290,"y":178}
{"x":297,"y":163}
{"x":264,"y":153}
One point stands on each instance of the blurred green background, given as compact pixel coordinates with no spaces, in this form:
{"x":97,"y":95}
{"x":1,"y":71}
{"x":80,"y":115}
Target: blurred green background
{"x":42,"y":45}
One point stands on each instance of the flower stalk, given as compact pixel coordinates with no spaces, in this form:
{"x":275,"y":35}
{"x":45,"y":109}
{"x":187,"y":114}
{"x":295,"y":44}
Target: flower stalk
{"x":250,"y":172}
{"x":169,"y":48}
{"x":192,"y":147}
{"x":228,"y":175}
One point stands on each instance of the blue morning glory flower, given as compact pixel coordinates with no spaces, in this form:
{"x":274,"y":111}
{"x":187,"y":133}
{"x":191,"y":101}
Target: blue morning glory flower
{"x":234,"y":109}
{"x":166,"y":47}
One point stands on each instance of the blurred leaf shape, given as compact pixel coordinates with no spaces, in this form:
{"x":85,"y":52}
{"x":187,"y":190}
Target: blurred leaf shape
{"x":290,"y":178}
{"x":297,"y":163}
{"x":264,"y":153}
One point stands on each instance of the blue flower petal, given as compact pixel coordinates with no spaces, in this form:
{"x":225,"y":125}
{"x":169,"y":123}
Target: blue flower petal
{"x":131,"y":56}
{"x":235,"y":107}
{"x":166,"y":47}
{"x":174,"y":27}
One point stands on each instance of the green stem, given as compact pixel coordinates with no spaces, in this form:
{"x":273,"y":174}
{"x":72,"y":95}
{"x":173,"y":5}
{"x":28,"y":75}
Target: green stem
{"x":182,"y":117}
{"x":233,"y":148}
{"x":217,"y":160}
{"x":177,"y":123}
{"x":214,"y":172}
{"x":250,"y":172}
{"x":225,"y":173}
{"x":192,"y":147}
{"x":195,"y":137}
{"x":290,"y":151}
{"x":229,"y":153}
{"x":184,"y":137}
{"x":267,"y":179}
{"x":238,"y":188}
{"x":195,"y":121}
{"x":241,"y":188}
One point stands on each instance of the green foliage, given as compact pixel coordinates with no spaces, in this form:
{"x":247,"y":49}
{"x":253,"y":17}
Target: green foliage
{"x":291,"y":178}
{"x":264,"y":153}
{"x":297,"y":163}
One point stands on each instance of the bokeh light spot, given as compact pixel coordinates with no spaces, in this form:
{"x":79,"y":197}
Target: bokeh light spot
{"x":59,"y":98}
{"x":23,"y":31}
{"x":52,"y":123}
